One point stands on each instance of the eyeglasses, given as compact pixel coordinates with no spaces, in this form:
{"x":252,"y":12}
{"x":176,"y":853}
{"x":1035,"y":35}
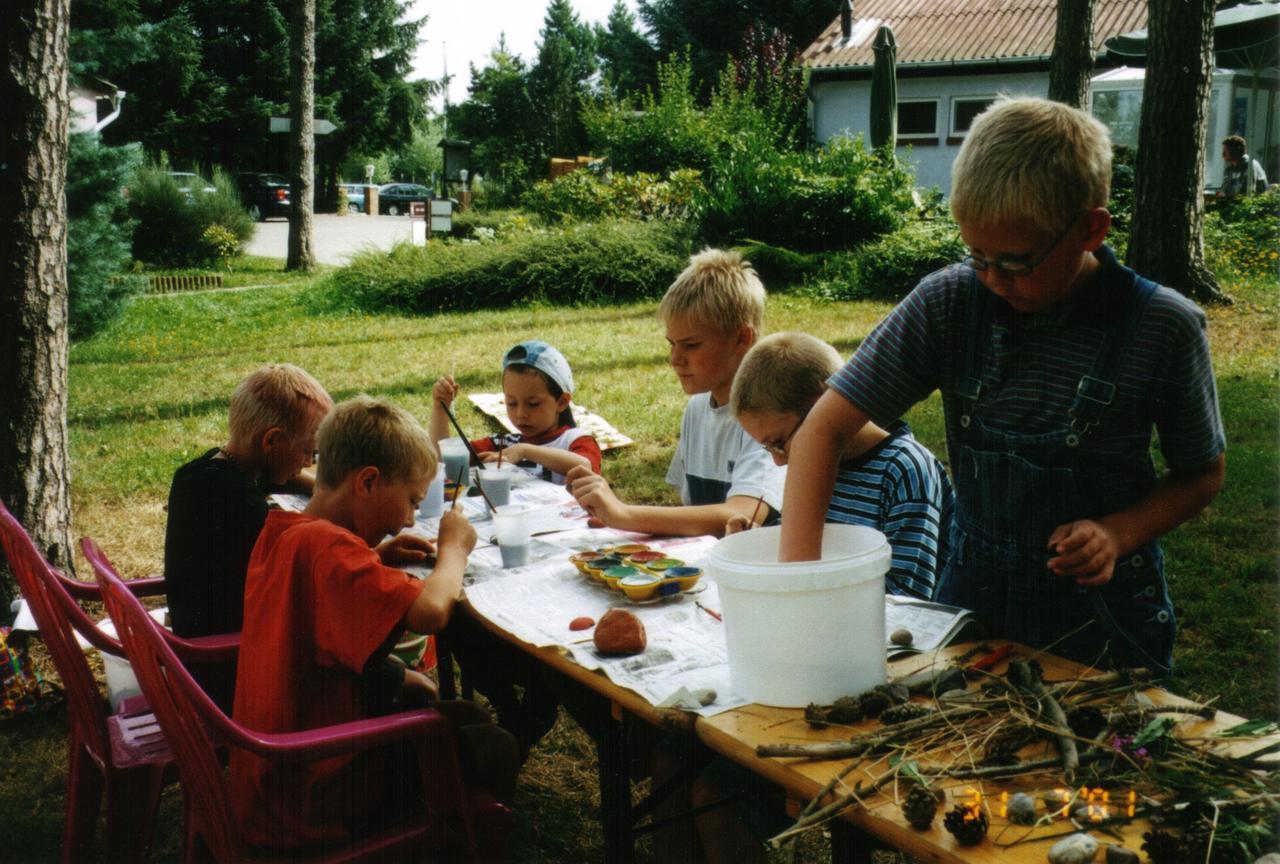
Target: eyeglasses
{"x":779,"y":448}
{"x":1016,"y":265}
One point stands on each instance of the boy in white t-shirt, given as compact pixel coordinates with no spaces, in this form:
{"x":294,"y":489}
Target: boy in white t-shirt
{"x":713,"y":313}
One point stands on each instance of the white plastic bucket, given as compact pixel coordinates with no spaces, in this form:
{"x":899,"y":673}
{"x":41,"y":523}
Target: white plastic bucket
{"x":808,"y":631}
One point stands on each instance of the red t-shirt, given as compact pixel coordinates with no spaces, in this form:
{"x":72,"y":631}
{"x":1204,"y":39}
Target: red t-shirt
{"x":582,"y":443}
{"x":317,"y":603}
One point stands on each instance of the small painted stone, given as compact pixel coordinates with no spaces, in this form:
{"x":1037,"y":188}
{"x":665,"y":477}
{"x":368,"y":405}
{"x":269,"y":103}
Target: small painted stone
{"x":1022,"y":809}
{"x":705,"y":696}
{"x":1076,"y":849}
{"x":1121,"y":855}
{"x":901,"y":637}
{"x":582,"y":622}
{"x":1269,"y":858}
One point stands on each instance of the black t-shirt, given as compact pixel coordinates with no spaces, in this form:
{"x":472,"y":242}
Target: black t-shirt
{"x":215,"y":516}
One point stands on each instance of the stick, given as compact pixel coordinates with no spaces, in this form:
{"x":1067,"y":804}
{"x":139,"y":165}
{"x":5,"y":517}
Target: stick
{"x":1026,"y":679}
{"x":456,"y":489}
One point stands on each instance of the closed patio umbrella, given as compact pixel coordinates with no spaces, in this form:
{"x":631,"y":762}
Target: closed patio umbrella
{"x":884,"y":91}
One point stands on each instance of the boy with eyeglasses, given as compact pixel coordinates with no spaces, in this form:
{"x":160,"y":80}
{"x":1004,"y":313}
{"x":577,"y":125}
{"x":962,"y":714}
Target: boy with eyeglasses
{"x":1054,"y":363}
{"x":886,"y":479}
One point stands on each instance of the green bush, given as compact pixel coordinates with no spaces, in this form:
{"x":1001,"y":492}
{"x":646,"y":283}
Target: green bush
{"x":779,"y":267}
{"x":171,"y":225}
{"x":831,"y":198}
{"x":1241,"y":236}
{"x":890,"y":266}
{"x":97,"y":232}
{"x":477,"y":224}
{"x":581,"y":263}
{"x":587,"y":196}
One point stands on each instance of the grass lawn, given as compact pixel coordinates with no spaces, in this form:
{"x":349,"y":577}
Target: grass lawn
{"x":150,"y":393}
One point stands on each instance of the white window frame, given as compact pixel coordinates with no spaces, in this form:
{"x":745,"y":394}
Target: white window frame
{"x":955,"y":102}
{"x":908,"y":136}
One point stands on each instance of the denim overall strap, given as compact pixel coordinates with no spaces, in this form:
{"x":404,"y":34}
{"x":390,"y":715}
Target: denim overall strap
{"x":1096,"y":390}
{"x":969,"y":384}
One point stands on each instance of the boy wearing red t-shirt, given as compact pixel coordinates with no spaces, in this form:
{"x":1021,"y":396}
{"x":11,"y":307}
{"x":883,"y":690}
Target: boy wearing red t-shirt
{"x":322,"y":611}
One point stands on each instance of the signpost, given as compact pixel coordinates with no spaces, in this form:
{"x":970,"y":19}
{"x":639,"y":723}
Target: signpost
{"x":418,"y":223}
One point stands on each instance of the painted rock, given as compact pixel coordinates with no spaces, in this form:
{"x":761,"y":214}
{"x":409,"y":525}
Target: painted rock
{"x":1076,"y":849}
{"x":1022,"y":809}
{"x":582,"y":622}
{"x":902,"y":636}
{"x":1121,"y":855}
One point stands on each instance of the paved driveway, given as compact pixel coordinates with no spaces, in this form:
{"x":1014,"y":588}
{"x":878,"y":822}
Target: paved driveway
{"x":337,"y":238}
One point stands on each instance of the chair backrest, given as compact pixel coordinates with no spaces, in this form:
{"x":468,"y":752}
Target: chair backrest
{"x":54,"y":611}
{"x":186,"y":714}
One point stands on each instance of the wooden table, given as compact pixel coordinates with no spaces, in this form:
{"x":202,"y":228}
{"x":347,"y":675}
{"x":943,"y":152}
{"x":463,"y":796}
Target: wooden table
{"x":735,"y":734}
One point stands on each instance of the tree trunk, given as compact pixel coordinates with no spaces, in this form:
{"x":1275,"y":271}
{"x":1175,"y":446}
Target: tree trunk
{"x":34,"y":480}
{"x":1072,"y":60}
{"x":1166,"y":242}
{"x":302,"y":155}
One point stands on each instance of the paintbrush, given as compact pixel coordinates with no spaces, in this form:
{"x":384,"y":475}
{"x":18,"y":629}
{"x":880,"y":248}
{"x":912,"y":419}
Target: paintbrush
{"x":475,"y":457}
{"x":754,"y":514}
{"x":456,"y":489}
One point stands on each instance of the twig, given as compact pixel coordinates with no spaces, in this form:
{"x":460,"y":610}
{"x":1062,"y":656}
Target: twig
{"x":1026,"y":679}
{"x":863,"y":743}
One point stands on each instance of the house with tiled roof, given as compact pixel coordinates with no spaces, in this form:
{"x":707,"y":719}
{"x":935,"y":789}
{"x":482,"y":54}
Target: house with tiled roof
{"x":954,"y":57}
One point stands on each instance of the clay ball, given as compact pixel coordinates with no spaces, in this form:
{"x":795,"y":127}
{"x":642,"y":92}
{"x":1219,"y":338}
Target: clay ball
{"x":582,"y":622}
{"x":901,"y":637}
{"x":619,"y":632}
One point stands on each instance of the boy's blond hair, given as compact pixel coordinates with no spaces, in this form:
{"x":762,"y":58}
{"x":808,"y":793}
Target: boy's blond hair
{"x":1031,"y":161}
{"x":276,"y":395}
{"x":718,"y":288}
{"x":783,"y":374}
{"x":363,"y":431}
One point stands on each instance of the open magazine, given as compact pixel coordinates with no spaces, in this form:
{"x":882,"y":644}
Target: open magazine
{"x":932,"y":625}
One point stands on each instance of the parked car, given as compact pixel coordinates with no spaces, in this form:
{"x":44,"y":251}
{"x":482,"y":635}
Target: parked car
{"x":188,"y":181}
{"x":394,"y":198}
{"x":265,"y":195}
{"x":355,"y":196}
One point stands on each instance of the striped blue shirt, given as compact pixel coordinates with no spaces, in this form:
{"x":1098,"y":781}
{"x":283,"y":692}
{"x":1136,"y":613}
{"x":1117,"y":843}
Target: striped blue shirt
{"x":899,"y":488}
{"x":1032,"y":366}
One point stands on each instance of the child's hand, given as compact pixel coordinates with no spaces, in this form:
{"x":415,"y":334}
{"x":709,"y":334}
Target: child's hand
{"x":456,"y":533}
{"x":510,"y":455}
{"x":594,"y":494}
{"x":417,"y":688}
{"x":1084,"y":549}
{"x":445,"y":389}
{"x":737,"y":522}
{"x":405,"y":548}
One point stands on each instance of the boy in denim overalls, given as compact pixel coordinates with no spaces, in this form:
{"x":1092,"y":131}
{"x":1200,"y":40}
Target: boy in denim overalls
{"x":1054,"y":363}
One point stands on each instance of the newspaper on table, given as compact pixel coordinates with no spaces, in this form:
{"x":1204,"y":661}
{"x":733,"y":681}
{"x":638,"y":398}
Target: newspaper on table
{"x":932,"y":625}
{"x":601,"y":429}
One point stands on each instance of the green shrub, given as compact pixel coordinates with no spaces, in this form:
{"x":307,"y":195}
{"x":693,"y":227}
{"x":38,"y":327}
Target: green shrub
{"x":779,"y":267}
{"x":487,"y":224}
{"x":1241,"y":236}
{"x":587,"y":196}
{"x":98,"y":232}
{"x":581,"y":263}
{"x":831,"y":198}
{"x":890,"y":266}
{"x":171,"y":225}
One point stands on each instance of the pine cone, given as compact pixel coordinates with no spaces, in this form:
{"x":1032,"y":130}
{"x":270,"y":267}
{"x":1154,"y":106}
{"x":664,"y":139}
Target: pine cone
{"x":968,"y":823}
{"x":846,"y":710}
{"x":1002,"y":748}
{"x":1162,"y":847}
{"x":1086,"y":722}
{"x":904,"y":712}
{"x":919,"y":807}
{"x":873,"y":702}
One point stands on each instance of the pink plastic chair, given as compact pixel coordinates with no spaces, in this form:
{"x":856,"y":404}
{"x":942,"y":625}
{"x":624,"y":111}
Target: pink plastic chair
{"x":121,"y":756}
{"x":454,"y":823}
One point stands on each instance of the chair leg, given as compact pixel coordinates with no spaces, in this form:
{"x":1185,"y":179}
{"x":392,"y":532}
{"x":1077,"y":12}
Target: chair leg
{"x":84,"y":796}
{"x":133,"y":797}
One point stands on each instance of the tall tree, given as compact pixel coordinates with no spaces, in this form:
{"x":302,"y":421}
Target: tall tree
{"x":628,"y":60}
{"x":34,"y":475}
{"x":499,"y":119}
{"x":302,"y":150}
{"x":1072,"y":60}
{"x":1166,"y":241}
{"x":713,"y":29}
{"x":566,"y":60}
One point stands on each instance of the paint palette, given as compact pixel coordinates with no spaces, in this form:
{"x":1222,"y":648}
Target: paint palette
{"x":642,"y":574}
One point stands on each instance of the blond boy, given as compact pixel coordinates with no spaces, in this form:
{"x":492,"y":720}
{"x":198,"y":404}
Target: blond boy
{"x":323,"y":607}
{"x":713,"y":314}
{"x":1055,"y":363}
{"x":217,"y":502}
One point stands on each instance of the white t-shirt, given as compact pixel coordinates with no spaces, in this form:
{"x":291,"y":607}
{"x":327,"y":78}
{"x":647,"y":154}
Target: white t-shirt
{"x":716,"y":459}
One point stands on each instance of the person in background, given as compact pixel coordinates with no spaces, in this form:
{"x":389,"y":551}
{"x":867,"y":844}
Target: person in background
{"x":713,"y":313}
{"x":323,"y":607}
{"x":1055,"y":364}
{"x":1242,"y":175}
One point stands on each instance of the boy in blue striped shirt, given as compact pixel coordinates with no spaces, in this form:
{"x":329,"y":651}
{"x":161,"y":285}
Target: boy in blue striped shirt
{"x":1055,"y":364}
{"x":886,"y":479}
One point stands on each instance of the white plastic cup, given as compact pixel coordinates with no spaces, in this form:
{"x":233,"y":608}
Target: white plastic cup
{"x":511,"y":524}
{"x":496,"y":482}
{"x":457,"y":460}
{"x":433,"y":504}
{"x":804,"y":631}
